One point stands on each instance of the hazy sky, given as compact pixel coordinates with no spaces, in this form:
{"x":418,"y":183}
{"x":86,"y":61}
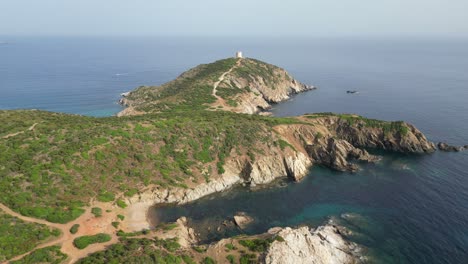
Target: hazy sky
{"x":228,"y":18}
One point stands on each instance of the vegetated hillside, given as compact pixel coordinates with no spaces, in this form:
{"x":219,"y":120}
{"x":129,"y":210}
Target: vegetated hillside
{"x":18,"y":237}
{"x":52,"y":170}
{"x":236,"y":85}
{"x":52,"y":164}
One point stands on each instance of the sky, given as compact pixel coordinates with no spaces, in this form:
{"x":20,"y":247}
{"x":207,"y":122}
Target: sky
{"x":234,"y":18}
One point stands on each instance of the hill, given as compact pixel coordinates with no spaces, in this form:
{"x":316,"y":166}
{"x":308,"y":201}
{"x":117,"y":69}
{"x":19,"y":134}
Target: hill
{"x":239,"y":85}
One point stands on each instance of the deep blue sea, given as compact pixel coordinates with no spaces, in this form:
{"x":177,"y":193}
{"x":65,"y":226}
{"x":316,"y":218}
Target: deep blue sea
{"x":413,"y":209}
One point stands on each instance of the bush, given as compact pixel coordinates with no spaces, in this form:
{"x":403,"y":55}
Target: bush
{"x":170,"y":244}
{"x":208,"y":260}
{"x":121,"y":204}
{"x":231,"y":259}
{"x":106,"y":197}
{"x":74,"y":228}
{"x":84,"y":241}
{"x":96,"y":211}
{"x":257,"y":245}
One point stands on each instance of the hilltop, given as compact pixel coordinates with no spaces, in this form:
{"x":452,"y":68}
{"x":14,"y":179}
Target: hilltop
{"x":240,"y":85}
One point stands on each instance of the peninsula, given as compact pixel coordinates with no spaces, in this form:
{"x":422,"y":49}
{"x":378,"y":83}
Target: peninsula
{"x":85,"y":184}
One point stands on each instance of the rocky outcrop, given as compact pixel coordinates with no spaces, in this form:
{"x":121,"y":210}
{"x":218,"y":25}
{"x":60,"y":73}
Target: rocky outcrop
{"x":323,"y":245}
{"x":328,"y":140}
{"x":262,"y":84}
{"x":336,"y":154}
{"x":242,"y":220}
{"x":449,"y":148}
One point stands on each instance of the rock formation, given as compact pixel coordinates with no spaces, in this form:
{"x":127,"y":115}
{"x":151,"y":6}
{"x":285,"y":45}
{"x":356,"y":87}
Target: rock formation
{"x":322,"y":245}
{"x":242,"y":220}
{"x":449,"y":148}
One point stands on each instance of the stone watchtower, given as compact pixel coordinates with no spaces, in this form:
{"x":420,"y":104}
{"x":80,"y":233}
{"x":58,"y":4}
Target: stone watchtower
{"x":239,"y":55}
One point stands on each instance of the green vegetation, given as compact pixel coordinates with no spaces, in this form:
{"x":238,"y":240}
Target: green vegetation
{"x":44,"y":173}
{"x":84,"y":241}
{"x":188,"y":259}
{"x":121,"y":203}
{"x":231,"y":259}
{"x":387,"y":127}
{"x":104,"y":196}
{"x":51,"y":255}
{"x":96,"y":211}
{"x":121,"y":217}
{"x":136,"y":251}
{"x":18,"y":237}
{"x":208,"y":260}
{"x":170,"y":245}
{"x":191,"y":91}
{"x":230,"y":247}
{"x":283,"y":144}
{"x":256,"y":245}
{"x":115,"y":224}
{"x":248,"y":259}
{"x":167,"y":226}
{"x":74,"y":228}
{"x":121,"y":233}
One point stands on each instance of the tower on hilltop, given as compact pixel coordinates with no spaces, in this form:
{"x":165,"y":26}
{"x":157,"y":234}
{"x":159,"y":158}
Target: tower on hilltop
{"x":239,"y":54}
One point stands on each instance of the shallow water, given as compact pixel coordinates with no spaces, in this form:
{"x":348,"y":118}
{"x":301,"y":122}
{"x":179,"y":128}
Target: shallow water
{"x":414,"y":208}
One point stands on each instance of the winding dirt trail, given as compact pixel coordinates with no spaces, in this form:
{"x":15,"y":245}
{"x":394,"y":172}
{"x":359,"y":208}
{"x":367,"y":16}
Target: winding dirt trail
{"x":89,"y":225}
{"x":220,"y":100}
{"x":20,"y":132}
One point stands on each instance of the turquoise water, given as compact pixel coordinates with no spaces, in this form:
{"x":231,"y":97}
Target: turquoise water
{"x":414,"y":208}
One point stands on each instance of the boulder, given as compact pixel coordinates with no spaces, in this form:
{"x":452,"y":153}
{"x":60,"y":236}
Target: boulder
{"x":242,"y":220}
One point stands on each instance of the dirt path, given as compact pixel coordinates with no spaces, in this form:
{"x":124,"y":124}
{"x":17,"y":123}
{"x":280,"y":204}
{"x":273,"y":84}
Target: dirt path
{"x":20,"y":132}
{"x":220,"y":101}
{"x":89,"y":225}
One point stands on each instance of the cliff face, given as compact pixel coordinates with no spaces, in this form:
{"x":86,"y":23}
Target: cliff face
{"x":235,"y":85}
{"x":334,"y":141}
{"x":257,"y":85}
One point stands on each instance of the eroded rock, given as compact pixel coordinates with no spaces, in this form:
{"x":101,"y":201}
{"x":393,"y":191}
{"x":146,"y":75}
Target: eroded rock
{"x":323,"y":245}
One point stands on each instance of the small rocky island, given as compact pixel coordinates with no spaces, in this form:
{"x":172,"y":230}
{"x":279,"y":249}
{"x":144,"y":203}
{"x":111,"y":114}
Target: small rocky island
{"x":94,"y":179}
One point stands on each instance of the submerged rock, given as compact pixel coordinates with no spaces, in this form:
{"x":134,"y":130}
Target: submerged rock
{"x":322,"y":245}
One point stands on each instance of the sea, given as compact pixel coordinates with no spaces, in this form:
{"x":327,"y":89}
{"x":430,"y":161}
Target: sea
{"x":404,"y":209}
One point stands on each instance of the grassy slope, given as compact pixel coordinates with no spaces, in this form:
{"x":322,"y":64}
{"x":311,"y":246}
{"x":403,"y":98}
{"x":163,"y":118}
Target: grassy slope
{"x":53,"y":170}
{"x":190,"y":91}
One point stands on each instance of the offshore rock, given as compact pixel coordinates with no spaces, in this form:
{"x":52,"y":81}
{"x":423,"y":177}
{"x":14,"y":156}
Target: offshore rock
{"x":449,"y":148}
{"x":242,"y":220}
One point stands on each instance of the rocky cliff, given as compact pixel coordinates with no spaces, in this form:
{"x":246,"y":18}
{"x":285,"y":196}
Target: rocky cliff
{"x":335,"y":141}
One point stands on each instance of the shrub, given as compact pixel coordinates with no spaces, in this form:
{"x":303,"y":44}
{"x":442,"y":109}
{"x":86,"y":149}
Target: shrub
{"x":84,"y":241}
{"x":96,"y":211}
{"x":74,"y":228}
{"x":257,"y":245}
{"x":106,"y":197}
{"x":231,"y":259}
{"x":121,"y":204}
{"x":208,"y":260}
